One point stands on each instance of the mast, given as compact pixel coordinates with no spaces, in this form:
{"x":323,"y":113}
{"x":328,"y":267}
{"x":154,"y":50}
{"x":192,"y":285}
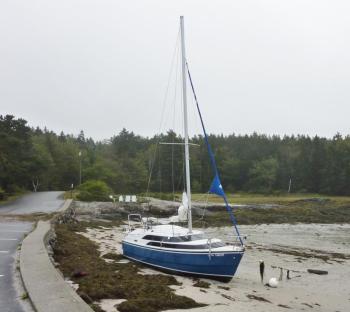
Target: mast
{"x":184,"y":97}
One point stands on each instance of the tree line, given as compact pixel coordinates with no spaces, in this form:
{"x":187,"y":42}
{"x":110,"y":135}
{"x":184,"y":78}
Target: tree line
{"x":39,"y":159}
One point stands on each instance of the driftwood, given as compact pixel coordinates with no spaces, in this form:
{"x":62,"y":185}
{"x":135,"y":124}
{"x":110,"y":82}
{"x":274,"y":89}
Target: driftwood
{"x":319,"y":272}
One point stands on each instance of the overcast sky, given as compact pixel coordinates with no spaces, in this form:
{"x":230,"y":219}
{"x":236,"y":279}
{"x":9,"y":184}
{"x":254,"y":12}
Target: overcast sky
{"x":274,"y":67}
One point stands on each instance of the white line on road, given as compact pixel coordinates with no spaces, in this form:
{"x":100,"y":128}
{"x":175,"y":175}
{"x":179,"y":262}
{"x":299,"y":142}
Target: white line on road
{"x":8,"y":239}
{"x":4,"y":251}
{"x":1,"y":275}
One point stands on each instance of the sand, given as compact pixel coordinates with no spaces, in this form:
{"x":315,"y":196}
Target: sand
{"x":295,"y":247}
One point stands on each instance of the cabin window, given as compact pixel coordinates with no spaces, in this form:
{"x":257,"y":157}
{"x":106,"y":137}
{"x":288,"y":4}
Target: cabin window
{"x":153,"y":238}
{"x":174,"y":239}
{"x":181,"y":246}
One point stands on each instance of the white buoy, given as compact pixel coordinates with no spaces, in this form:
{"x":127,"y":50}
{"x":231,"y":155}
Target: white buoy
{"x":273,"y":282}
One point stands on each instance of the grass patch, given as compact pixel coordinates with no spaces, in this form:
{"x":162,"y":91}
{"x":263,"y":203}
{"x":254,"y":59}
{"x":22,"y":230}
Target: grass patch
{"x":72,"y":194}
{"x":146,"y":293}
{"x":24,"y":296}
{"x":303,"y":211}
{"x":283,"y":208}
{"x":251,"y":198}
{"x":8,"y":198}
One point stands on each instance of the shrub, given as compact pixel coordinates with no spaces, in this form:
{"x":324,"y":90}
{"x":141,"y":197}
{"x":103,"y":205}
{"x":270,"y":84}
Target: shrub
{"x":2,"y":194}
{"x":93,"y":190}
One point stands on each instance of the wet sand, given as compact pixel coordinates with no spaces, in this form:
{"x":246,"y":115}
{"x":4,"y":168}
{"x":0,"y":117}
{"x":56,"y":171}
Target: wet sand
{"x":295,"y":247}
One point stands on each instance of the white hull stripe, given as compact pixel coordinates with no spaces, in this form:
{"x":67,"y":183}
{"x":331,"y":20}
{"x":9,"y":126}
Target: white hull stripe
{"x":183,"y":251}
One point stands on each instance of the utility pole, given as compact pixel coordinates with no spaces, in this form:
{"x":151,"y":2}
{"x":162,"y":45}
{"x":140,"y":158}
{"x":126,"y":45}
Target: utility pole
{"x":79,"y":167}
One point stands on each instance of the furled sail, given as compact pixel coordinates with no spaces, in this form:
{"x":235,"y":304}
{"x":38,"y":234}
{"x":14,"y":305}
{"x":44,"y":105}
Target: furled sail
{"x":216,"y":187}
{"x":183,"y":209}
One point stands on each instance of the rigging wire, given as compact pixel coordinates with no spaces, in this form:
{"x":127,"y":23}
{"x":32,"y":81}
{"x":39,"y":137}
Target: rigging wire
{"x":160,"y":170}
{"x":174,"y":130}
{"x":198,"y":126}
{"x":182,"y":131}
{"x":175,"y":52}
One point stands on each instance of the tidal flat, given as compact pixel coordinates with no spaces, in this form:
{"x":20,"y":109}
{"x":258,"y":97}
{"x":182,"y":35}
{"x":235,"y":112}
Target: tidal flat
{"x":293,"y":247}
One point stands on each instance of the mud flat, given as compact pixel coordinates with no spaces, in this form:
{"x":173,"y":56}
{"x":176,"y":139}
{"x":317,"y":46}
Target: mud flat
{"x":294,"y":247}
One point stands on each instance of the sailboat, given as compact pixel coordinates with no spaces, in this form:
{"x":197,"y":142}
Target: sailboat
{"x":184,"y":250}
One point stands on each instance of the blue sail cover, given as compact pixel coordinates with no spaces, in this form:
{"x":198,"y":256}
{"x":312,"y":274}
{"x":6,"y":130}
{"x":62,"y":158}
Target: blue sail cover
{"x":216,"y":187}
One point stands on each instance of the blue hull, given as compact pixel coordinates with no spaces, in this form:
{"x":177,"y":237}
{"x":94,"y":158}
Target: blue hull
{"x":214,"y":265}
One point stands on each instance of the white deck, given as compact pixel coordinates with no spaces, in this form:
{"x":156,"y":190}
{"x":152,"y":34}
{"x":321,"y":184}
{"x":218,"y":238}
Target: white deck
{"x":167,"y":230}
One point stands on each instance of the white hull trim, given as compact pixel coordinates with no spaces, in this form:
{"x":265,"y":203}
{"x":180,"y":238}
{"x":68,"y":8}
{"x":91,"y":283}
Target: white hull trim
{"x":204,"y":251}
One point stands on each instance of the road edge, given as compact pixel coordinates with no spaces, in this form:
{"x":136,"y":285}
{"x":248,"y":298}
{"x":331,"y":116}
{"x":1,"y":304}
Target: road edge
{"x":43,"y":283}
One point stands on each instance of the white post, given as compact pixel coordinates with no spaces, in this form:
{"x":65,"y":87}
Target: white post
{"x":184,"y":96}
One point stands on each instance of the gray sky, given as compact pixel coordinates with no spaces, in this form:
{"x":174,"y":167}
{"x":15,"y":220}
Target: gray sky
{"x":275,"y":67}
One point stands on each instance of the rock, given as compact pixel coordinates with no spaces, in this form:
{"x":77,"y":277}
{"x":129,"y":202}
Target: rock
{"x":273,"y":282}
{"x":77,"y":274}
{"x":319,"y":272}
{"x":86,"y":297}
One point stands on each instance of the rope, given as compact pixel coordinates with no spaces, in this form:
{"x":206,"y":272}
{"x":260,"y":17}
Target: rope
{"x":205,"y":206}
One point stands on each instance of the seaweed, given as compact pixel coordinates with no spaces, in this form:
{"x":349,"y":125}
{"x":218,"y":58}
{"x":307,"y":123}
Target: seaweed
{"x":201,"y":284}
{"x":147,"y":293}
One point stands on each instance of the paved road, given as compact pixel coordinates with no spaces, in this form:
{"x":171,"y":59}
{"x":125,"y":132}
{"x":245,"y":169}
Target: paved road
{"x":34,"y":202}
{"x":11,"y":235}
